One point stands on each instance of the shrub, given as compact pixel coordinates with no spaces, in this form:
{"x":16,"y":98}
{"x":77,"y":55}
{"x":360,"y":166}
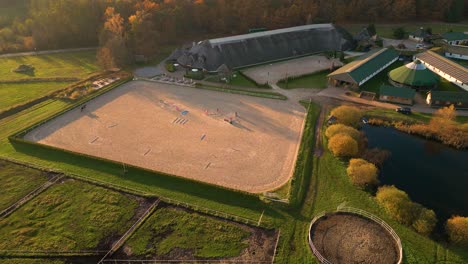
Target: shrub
{"x":399,"y":33}
{"x":342,"y":145}
{"x":362,"y":173}
{"x":347,"y":115}
{"x":343,"y":129}
{"x":397,"y":203}
{"x":425,"y":221}
{"x":376,"y":156}
{"x":170,"y":67}
{"x":457,"y":230}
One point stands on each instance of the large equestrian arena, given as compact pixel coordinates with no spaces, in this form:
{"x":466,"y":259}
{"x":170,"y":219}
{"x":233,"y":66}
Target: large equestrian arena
{"x":240,"y":142}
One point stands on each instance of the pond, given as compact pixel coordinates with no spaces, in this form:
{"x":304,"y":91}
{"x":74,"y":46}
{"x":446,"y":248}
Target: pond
{"x":432,"y":174}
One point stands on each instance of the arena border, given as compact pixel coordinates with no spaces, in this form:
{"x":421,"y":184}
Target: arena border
{"x":358,"y":212}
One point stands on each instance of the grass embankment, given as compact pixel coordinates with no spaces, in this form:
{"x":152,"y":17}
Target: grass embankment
{"x":239,"y":80}
{"x":68,"y":216}
{"x":171,"y":229}
{"x":386,"y":30}
{"x":30,"y":261}
{"x":316,"y":80}
{"x":392,"y":115}
{"x":17,"y":181}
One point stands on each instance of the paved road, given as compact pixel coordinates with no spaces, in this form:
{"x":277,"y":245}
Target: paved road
{"x":33,"y":53}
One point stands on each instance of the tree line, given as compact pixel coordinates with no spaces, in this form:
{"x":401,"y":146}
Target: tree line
{"x":141,"y":26}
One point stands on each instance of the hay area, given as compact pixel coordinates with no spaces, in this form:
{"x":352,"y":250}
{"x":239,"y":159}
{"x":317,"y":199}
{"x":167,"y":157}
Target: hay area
{"x":272,"y":73}
{"x":349,"y":238}
{"x":184,"y":131}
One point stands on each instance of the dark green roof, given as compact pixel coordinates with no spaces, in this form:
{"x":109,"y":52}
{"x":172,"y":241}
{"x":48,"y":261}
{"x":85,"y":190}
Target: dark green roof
{"x":414,"y":74}
{"x":450,"y":36}
{"x":401,"y":92}
{"x":449,"y":96}
{"x":361,"y":68}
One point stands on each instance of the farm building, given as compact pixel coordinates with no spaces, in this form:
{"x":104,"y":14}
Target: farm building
{"x":364,"y":68}
{"x":446,"y":68}
{"x":454,"y":38}
{"x":399,"y":95}
{"x":266,"y":46}
{"x":447,"y":98}
{"x":413,"y":75}
{"x":419,"y":35}
{"x":456,"y":52}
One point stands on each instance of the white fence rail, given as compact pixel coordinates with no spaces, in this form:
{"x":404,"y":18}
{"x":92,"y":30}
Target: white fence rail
{"x":381,"y":222}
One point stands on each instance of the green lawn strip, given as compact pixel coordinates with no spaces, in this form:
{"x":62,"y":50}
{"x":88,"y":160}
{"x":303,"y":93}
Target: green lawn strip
{"x":373,"y":85}
{"x":444,"y":85}
{"x":172,"y":228}
{"x":69,"y":216}
{"x":315,"y":80}
{"x":68,"y":64}
{"x":239,"y":80}
{"x":17,"y":181}
{"x":303,"y":167}
{"x":14,"y":94}
{"x":461,"y":62}
{"x":270,"y":95}
{"x":386,"y":30}
{"x":395,"y":116}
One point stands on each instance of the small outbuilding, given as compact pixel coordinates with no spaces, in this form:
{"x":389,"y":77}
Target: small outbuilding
{"x":413,"y":75}
{"x":419,"y":35}
{"x":399,"y":95}
{"x":447,"y":98}
{"x":456,"y":52}
{"x":454,"y":38}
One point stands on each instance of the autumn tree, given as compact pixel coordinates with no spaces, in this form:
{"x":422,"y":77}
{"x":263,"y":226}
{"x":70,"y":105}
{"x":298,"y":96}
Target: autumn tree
{"x":362,"y":173}
{"x":397,"y":203}
{"x":342,"y":145}
{"x":113,"y":51}
{"x":342,"y":129}
{"x":457,"y":230}
{"x":347,"y":115}
{"x":425,"y":220}
{"x":144,"y":34}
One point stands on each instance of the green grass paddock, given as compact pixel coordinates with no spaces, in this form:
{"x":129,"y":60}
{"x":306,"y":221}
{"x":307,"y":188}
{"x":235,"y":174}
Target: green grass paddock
{"x":17,"y":181}
{"x":170,"y":229}
{"x":315,"y":80}
{"x":68,"y":216}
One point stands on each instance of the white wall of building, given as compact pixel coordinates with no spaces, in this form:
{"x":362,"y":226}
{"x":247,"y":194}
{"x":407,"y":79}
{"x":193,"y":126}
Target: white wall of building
{"x":446,"y":76}
{"x":456,"y":56}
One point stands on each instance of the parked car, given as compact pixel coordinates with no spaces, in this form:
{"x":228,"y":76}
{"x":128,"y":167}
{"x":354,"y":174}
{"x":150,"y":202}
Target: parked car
{"x":404,"y":110}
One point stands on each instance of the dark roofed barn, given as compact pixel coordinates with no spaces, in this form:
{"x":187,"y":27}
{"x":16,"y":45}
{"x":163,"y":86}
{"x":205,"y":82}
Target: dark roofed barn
{"x":447,"y":98}
{"x":267,"y":46}
{"x":399,"y":95}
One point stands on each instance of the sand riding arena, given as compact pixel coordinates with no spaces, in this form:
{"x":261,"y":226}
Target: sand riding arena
{"x":241,"y":142}
{"x":349,"y":237}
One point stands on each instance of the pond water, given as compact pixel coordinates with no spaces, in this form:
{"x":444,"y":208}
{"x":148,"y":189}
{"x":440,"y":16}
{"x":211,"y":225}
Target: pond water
{"x":432,"y":174}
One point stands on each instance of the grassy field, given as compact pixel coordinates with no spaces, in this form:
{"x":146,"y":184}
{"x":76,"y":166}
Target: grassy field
{"x":171,"y":229}
{"x":239,"y":80}
{"x":30,"y":261}
{"x":69,"y":64}
{"x":386,"y":30}
{"x":17,"y":181}
{"x":68,"y":216}
{"x":17,"y":93}
{"x":314,"y":80}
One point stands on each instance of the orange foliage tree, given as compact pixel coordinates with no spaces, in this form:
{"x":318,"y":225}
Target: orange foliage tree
{"x":362,"y":173}
{"x":347,"y":115}
{"x":457,"y":230}
{"x":342,"y":145}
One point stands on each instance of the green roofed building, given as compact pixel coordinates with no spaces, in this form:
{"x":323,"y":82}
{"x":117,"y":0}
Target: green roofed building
{"x":447,"y":98}
{"x":361,"y":70}
{"x":413,"y":75}
{"x":455,"y":38}
{"x":399,"y":95}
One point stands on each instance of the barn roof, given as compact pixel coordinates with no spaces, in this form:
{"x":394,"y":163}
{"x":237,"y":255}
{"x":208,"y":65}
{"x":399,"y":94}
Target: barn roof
{"x":449,"y":96}
{"x":452,"y":36}
{"x":364,"y":66}
{"x":262,"y":47}
{"x":401,"y":92}
{"x":446,"y":65}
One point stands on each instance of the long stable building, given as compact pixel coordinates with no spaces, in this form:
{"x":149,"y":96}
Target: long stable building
{"x":262,"y":47}
{"x":364,"y":68}
{"x":447,"y":69}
